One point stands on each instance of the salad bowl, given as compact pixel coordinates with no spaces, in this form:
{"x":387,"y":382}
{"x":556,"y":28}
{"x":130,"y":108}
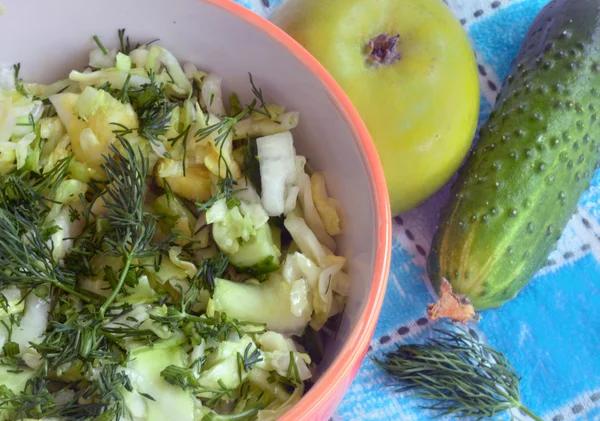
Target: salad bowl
{"x":223,"y":37}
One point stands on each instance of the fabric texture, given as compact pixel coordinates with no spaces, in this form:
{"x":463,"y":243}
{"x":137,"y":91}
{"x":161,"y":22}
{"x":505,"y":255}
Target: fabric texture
{"x":551,"y":331}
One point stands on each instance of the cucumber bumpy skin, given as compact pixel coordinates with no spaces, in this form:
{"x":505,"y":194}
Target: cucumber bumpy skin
{"x":535,"y":157}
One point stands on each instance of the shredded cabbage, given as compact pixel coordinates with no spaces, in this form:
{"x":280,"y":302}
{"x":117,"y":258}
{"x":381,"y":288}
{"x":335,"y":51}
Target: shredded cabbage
{"x":7,"y":161}
{"x":277,"y":170}
{"x":260,"y":378}
{"x":159,"y":55}
{"x":211,"y":94}
{"x":326,"y":206}
{"x":113,"y":76}
{"x":138,"y":57}
{"x":66,"y":230}
{"x":276,"y":410}
{"x":99,"y":60}
{"x":190,"y":290}
{"x":298,"y":266}
{"x":218,"y":158}
{"x":263,"y":127}
{"x":195,"y":185}
{"x":51,"y":130}
{"x":7,"y":79}
{"x":222,"y":364}
{"x":11,"y":297}
{"x":309,"y":210}
{"x":229,"y":226}
{"x":305,"y":239}
{"x":188,"y":267}
{"x":33,"y":323}
{"x":22,"y":148}
{"x":8,"y":119}
{"x":323,"y":298}
{"x":92,"y":137}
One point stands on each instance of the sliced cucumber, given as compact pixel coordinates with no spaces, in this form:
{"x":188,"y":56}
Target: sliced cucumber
{"x":168,"y":401}
{"x":259,"y":255}
{"x":268,"y":302}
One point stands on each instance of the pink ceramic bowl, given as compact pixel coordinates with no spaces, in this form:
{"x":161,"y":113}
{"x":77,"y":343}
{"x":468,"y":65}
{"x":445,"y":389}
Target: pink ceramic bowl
{"x":49,"y":38}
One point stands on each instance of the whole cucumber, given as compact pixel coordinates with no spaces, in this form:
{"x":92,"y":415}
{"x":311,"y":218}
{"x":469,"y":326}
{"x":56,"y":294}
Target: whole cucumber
{"x":535,"y":157}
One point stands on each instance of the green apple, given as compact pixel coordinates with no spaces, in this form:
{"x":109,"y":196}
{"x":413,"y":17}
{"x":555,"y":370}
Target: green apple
{"x":410,"y":71}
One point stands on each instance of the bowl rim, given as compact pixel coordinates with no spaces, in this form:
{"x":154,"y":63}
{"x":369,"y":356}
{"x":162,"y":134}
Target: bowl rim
{"x":345,"y":365}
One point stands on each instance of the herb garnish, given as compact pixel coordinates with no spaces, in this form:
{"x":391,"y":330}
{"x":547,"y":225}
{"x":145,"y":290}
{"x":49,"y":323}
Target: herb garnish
{"x":460,"y":376}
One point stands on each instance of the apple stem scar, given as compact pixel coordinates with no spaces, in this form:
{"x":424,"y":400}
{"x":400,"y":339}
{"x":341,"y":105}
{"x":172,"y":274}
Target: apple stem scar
{"x":381,"y":50}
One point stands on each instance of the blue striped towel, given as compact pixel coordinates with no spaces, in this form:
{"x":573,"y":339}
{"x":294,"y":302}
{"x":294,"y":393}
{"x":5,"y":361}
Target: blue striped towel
{"x":551,"y":331}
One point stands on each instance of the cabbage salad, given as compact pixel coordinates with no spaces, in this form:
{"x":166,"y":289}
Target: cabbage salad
{"x":165,"y":254}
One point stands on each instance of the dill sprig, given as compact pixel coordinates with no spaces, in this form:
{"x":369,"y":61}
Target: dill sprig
{"x":155,"y":120}
{"x":34,"y":401}
{"x":460,"y":376}
{"x":75,"y":338}
{"x":98,"y":399}
{"x":211,"y":269}
{"x":26,"y":249}
{"x":107,"y":87}
{"x":223,"y":128}
{"x":50,"y":182}
{"x":292,"y":372}
{"x":88,"y":337}
{"x":124,"y":95}
{"x":198,"y":327}
{"x":250,"y":359}
{"x":100,"y":45}
{"x":30,"y":122}
{"x":224,"y":191}
{"x":84,"y":338}
{"x":18,"y":82}
{"x":124,"y":42}
{"x":130,"y":229}
{"x":180,"y":376}
{"x":218,"y":394}
{"x":226,"y":126}
{"x":153,"y":108}
{"x":188,"y":379}
{"x":259,"y":96}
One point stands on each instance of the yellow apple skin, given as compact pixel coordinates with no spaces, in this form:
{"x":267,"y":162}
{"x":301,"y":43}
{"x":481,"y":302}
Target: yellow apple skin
{"x":421,"y":110}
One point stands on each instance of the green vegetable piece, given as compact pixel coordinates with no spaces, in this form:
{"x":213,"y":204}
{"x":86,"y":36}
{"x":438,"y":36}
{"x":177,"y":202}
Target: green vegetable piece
{"x":169,"y":401}
{"x":259,"y":255}
{"x":123,"y":62}
{"x":268,"y":302}
{"x":535,"y":157}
